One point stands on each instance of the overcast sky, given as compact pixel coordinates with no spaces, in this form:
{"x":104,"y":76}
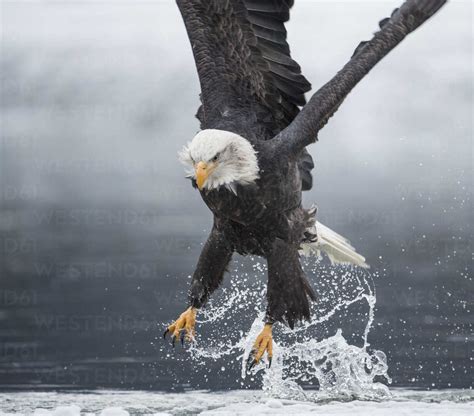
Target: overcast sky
{"x":103,"y":95}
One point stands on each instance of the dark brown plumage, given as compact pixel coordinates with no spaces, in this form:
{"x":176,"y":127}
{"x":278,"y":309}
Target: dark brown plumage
{"x":251,"y":86}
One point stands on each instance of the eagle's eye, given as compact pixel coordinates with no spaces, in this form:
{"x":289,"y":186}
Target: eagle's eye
{"x":214,"y":159}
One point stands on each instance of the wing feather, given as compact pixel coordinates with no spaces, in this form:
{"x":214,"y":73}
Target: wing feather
{"x":243,"y":62}
{"x":325,"y":102}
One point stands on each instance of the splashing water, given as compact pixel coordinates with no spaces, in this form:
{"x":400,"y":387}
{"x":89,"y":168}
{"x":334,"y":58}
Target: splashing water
{"x":315,"y":352}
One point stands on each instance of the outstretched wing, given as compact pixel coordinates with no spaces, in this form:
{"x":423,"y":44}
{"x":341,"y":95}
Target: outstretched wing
{"x":244,"y":63}
{"x":325,"y":102}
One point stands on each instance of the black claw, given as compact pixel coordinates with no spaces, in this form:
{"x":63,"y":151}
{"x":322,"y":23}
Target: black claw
{"x":250,"y":360}
{"x":252,"y":364}
{"x":183,"y":333}
{"x":173,"y":339}
{"x":166,"y":333}
{"x":269,"y":362}
{"x":249,"y":365}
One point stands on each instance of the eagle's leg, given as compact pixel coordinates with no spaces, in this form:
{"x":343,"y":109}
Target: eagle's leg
{"x":212,"y":264}
{"x":264,"y":342}
{"x":183,"y":327}
{"x":288,"y":291}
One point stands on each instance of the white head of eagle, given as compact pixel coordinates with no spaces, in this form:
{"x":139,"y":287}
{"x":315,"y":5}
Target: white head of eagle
{"x":220,"y":158}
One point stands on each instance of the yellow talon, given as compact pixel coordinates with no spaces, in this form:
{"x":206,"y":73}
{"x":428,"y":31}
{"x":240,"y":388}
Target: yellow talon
{"x":264,"y":342}
{"x":183,"y":327}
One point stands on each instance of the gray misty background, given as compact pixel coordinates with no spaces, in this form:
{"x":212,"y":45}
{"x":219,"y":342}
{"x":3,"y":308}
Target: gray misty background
{"x":100,"y":230}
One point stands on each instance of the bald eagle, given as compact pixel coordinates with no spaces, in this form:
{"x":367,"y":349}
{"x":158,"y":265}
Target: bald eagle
{"x":249,"y":161}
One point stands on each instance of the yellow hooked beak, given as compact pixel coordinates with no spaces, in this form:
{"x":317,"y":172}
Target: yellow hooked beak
{"x":203,"y":170}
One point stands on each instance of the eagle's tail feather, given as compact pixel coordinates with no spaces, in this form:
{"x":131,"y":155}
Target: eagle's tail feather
{"x":338,"y":249}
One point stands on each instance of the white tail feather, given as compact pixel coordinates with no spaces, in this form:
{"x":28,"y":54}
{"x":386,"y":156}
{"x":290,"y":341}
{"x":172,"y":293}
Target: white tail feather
{"x":337,"y":248}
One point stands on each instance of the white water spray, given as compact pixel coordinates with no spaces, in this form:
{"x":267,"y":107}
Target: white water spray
{"x":303,"y":358}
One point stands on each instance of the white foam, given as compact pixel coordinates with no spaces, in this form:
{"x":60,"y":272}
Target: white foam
{"x":237,"y":402}
{"x":114,"y":411}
